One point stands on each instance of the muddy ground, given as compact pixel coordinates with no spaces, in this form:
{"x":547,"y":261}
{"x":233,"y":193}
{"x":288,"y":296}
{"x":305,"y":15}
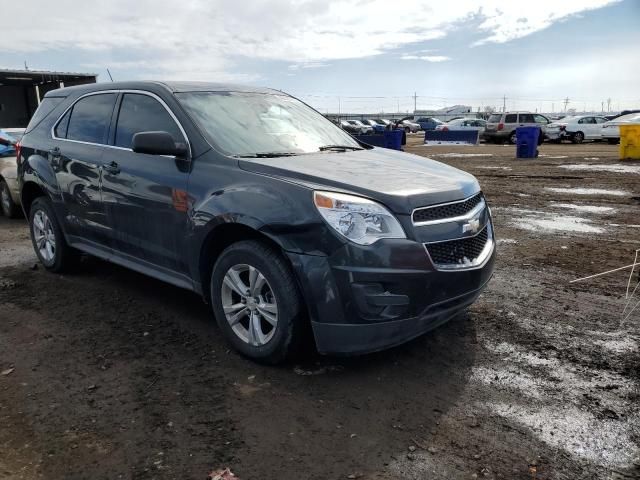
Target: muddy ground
{"x":108,"y":374}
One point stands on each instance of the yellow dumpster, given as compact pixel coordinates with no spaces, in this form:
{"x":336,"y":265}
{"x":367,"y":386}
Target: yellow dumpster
{"x":630,"y":142}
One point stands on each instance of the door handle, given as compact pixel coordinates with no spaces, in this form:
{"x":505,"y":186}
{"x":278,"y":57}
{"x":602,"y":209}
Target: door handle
{"x":112,"y":168}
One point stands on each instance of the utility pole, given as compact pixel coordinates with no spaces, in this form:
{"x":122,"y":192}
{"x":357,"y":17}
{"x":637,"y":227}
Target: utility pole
{"x":504,"y":103}
{"x":566,"y":102}
{"x":602,"y":107}
{"x":553,"y":106}
{"x":339,"y":107}
{"x":415,"y":102}
{"x":608,"y":104}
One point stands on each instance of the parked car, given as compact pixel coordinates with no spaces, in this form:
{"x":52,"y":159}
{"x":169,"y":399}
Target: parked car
{"x":364,"y":129}
{"x":611,"y":129}
{"x":350,"y":127}
{"x":501,"y":127}
{"x":463,"y":124}
{"x":428,"y":123}
{"x":286,"y":225}
{"x":377,"y":127}
{"x":409,"y":126}
{"x":384,"y":121}
{"x":576,"y":128}
{"x":9,"y":189}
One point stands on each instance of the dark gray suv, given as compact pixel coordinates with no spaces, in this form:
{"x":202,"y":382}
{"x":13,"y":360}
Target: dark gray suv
{"x":277,"y":217}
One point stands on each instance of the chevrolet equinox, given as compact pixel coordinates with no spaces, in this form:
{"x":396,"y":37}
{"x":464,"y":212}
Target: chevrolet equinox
{"x":252,"y":199}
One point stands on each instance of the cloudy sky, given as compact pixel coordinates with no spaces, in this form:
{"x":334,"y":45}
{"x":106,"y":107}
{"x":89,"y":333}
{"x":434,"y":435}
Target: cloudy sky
{"x":355,"y":55}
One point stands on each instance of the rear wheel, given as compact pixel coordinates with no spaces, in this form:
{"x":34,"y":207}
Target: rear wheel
{"x":407,"y":130}
{"x":7,"y":205}
{"x":47,"y":238}
{"x":613,"y":141}
{"x":513,"y":138}
{"x":577,"y":137}
{"x":256,"y":302}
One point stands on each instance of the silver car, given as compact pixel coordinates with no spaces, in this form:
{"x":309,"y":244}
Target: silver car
{"x":9,"y":189}
{"x":501,"y":127}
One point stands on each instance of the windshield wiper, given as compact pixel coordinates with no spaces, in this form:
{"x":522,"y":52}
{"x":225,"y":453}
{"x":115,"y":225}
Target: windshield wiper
{"x":267,"y":155}
{"x":339,"y":147}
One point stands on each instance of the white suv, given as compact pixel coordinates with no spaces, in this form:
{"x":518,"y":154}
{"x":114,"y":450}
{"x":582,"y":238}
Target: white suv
{"x":501,"y":127}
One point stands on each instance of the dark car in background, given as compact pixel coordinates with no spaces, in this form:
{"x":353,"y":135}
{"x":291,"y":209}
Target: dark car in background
{"x":428,"y":123}
{"x":285,"y":225}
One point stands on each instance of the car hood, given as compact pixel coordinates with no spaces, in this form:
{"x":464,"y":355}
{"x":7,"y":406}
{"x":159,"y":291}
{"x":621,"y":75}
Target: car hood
{"x":399,"y":180}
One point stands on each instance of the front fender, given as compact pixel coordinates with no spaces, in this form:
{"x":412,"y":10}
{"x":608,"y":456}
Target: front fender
{"x":284,"y":212}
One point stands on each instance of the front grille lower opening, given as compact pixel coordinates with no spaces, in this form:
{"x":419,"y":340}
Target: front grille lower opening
{"x":461,"y":252}
{"x":451,"y":210}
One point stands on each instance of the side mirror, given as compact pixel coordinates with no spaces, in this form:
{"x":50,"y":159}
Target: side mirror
{"x":158,"y":143}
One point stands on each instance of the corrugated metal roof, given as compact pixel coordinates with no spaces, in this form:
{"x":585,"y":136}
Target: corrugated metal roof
{"x":8,"y":71}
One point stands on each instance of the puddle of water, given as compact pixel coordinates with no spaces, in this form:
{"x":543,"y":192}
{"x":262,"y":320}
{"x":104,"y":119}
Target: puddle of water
{"x":585,"y":208}
{"x":615,"y":168}
{"x":588,"y":191}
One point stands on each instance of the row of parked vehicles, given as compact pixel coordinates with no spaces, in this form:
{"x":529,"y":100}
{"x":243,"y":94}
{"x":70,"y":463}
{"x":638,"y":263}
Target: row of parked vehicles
{"x":501,"y":127}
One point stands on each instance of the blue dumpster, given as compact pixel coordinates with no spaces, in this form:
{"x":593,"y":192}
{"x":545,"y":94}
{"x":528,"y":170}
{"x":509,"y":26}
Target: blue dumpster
{"x":527,"y":142}
{"x":393,"y":139}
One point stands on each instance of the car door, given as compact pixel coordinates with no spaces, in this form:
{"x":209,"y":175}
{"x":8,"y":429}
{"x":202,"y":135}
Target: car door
{"x":79,"y":138}
{"x":145,"y":196}
{"x":600,"y":121}
{"x":587,"y":126}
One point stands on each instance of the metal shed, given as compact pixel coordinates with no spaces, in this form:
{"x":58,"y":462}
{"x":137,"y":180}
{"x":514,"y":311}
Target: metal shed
{"x":22,"y":90}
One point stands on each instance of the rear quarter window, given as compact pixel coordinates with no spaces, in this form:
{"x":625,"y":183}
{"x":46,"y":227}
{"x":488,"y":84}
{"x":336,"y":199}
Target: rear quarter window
{"x":47,"y":105}
{"x":495,"y":118}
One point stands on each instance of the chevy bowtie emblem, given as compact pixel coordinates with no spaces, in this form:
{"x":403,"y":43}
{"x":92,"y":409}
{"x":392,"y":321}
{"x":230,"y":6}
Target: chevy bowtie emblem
{"x":473,"y":226}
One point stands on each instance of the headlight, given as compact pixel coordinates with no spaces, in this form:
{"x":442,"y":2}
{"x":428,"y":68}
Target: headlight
{"x":360,"y":220}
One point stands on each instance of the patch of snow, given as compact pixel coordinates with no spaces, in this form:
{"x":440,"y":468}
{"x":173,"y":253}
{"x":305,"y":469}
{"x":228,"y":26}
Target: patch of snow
{"x":585,"y":208}
{"x":614,"y":168}
{"x":502,"y":241}
{"x":536,"y":221}
{"x":496,"y":168}
{"x":462,"y":155}
{"x":588,"y":191}
{"x":592,"y":158}
{"x":619,"y":225}
{"x":553,"y":156}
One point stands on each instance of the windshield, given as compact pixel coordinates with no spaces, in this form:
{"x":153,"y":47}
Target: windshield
{"x":247,"y":124}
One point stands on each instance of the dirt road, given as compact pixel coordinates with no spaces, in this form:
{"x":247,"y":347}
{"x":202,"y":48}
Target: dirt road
{"x":109,"y":374}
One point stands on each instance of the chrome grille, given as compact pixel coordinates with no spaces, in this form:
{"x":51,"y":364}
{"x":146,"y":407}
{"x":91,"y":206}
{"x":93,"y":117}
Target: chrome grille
{"x":445,"y":211}
{"x":461,"y":252}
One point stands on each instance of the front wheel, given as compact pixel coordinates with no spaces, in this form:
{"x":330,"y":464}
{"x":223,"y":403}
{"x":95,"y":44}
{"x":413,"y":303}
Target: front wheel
{"x":47,"y":238}
{"x":256,"y":302}
{"x":612,"y":141}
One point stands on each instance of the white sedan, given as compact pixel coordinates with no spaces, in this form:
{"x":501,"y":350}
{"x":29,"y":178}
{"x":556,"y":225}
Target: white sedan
{"x":576,"y":128}
{"x":611,"y":129}
{"x":463,"y":124}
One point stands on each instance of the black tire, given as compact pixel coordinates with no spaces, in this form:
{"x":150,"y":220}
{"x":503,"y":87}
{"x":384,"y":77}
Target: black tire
{"x":64,"y":257}
{"x":288,"y":332}
{"x":613,"y":141}
{"x":407,"y":130}
{"x":7,"y":205}
{"x":577,"y":137}
{"x":512,"y":138}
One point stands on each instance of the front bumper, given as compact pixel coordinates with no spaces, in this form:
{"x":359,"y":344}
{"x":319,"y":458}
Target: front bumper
{"x":366,"y":299}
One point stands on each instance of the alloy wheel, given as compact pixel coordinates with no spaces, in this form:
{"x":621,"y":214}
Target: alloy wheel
{"x":44,"y":236}
{"x":249,"y":304}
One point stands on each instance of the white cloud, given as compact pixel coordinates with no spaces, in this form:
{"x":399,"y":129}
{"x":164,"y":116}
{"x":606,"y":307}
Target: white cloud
{"x":304,"y":66}
{"x":205,"y":38}
{"x":426,"y":58}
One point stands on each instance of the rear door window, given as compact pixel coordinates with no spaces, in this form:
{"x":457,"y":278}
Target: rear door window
{"x":511,"y":118}
{"x":526,"y":118}
{"x":143,"y":113}
{"x":91,"y":117}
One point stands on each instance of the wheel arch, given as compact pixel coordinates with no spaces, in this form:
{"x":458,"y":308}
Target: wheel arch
{"x":28,"y":193}
{"x":224,"y":235}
